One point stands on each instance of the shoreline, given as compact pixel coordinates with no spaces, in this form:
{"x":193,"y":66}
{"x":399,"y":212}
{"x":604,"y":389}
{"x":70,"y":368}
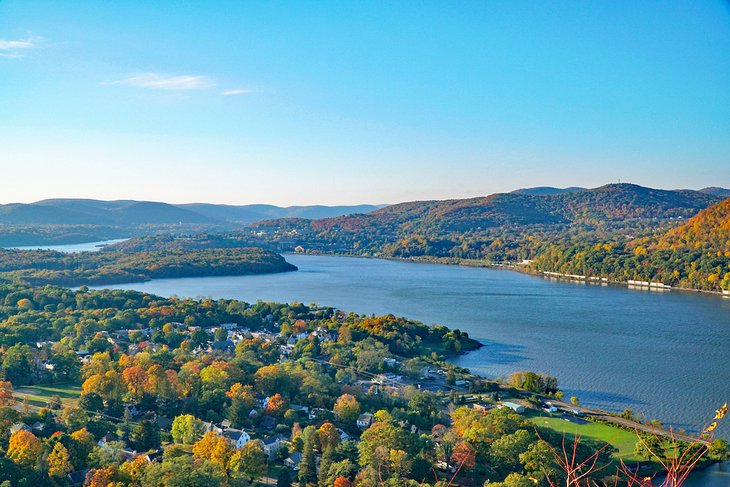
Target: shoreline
{"x":521,"y":268}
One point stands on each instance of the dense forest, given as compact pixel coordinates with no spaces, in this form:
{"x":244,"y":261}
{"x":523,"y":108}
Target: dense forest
{"x":40,"y":267}
{"x":694,"y":255}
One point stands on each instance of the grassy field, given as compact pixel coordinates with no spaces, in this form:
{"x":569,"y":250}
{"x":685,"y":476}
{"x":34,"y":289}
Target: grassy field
{"x":623,"y":440}
{"x":40,"y":395}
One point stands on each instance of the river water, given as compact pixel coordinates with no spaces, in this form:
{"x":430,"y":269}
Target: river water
{"x":73,"y":248}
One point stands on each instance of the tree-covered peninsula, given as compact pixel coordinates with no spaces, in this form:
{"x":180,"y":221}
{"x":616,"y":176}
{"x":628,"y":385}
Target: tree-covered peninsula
{"x":41,"y":267}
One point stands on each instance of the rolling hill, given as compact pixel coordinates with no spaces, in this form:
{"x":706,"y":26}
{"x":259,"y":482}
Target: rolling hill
{"x":613,"y":207}
{"x":715,"y":191}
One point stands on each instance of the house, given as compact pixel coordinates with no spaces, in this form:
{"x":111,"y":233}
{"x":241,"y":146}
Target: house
{"x":299,"y":249}
{"x":237,"y":437}
{"x":390,"y":362}
{"x":388,"y":378}
{"x":343,"y":435}
{"x":518,"y":408}
{"x":272,"y":444}
{"x":268,"y":422}
{"x":222,"y":346}
{"x":483,"y":406}
{"x":293,"y":461}
{"x":263,"y":401}
{"x":211,"y":427}
{"x":164,"y":423}
{"x":18,"y":427}
{"x":319,"y":413}
{"x":549,"y":408}
{"x":364,"y":420}
{"x":299,"y":408}
{"x":38,"y":427}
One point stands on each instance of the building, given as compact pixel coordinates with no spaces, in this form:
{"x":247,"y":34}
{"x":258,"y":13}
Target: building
{"x":272,"y":444}
{"x":364,"y":420}
{"x":237,"y":437}
{"x":518,"y":408}
{"x":483,"y":406}
{"x":293,"y":461}
{"x":19,"y":427}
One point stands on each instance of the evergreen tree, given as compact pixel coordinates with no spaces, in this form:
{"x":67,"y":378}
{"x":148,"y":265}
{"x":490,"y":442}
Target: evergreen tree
{"x":284,"y":479}
{"x":328,"y":458}
{"x":308,"y":465}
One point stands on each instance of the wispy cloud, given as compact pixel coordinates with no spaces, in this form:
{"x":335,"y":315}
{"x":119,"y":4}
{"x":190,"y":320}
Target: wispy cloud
{"x":15,"y":48}
{"x":238,"y":91}
{"x":158,"y":81}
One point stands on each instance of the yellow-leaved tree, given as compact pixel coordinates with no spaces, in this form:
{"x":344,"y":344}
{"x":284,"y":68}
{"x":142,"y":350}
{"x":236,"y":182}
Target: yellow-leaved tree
{"x":24,"y":448}
{"x":59,"y":461}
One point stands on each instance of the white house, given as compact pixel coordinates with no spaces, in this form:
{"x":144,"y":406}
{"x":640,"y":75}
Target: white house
{"x":364,"y":420}
{"x":237,"y":437}
{"x":272,"y":444}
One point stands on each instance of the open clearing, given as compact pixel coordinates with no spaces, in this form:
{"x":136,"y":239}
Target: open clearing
{"x":623,"y":440}
{"x":40,"y":395}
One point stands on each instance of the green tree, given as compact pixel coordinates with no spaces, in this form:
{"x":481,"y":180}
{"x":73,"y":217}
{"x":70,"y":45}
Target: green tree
{"x":186,"y":429}
{"x":146,"y":436}
{"x":718,"y":449}
{"x":250,"y":461}
{"x":308,"y":465}
{"x":505,"y":451}
{"x":221,"y":335}
{"x":284,"y":478}
{"x":183,"y":471}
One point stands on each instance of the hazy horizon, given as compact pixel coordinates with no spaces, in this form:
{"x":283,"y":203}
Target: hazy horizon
{"x":338,"y":103}
{"x":185,"y":202}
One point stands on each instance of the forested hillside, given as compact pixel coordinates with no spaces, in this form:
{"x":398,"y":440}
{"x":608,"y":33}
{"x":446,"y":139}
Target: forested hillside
{"x":694,"y":255}
{"x":622,"y":231}
{"x":41,"y":267}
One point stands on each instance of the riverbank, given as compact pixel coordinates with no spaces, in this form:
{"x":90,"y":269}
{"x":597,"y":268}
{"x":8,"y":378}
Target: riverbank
{"x":526,"y":269}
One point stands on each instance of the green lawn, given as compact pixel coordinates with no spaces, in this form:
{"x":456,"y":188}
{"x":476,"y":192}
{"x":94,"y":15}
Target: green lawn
{"x":623,"y":440}
{"x":39,"y":395}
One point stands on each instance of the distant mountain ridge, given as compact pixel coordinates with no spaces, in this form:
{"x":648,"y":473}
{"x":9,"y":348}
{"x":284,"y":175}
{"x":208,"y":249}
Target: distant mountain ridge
{"x":246,"y":214}
{"x":609,"y":204}
{"x":715,"y":191}
{"x":547,"y":190}
{"x":134,"y":213}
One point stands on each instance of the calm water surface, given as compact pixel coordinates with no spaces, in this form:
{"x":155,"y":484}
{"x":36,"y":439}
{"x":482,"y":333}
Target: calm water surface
{"x":662,"y":354}
{"x":73,"y":248}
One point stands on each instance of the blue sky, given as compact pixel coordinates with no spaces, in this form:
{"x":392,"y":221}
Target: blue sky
{"x":353,"y":102}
